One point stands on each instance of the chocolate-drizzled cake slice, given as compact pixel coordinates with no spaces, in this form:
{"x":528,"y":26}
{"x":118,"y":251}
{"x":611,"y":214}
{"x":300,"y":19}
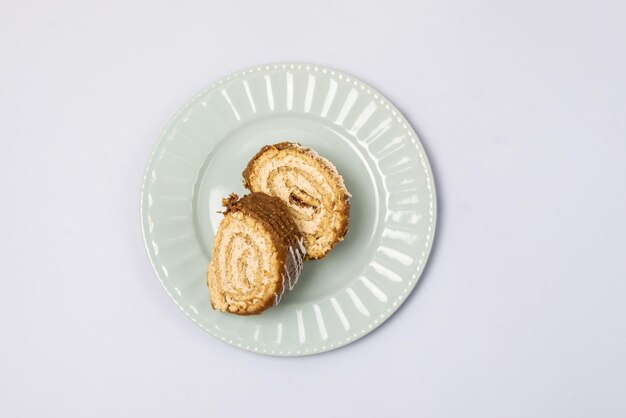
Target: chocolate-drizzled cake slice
{"x":257,"y":255}
{"x":312,"y":188}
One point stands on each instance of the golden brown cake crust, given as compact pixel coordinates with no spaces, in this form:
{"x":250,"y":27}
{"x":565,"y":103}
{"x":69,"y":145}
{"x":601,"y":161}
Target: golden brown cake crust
{"x":277,"y":221}
{"x":341,"y":230}
{"x":269,"y":211}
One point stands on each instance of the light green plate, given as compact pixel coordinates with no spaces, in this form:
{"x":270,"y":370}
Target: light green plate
{"x":199,"y":159}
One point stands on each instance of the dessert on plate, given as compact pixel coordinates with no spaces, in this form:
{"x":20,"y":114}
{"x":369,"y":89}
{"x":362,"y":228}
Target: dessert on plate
{"x":310,"y":186}
{"x":258,"y":254}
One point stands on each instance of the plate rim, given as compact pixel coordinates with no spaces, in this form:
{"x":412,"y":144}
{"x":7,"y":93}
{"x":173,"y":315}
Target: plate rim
{"x":413,"y":136}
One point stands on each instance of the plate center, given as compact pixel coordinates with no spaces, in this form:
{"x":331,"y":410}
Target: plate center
{"x":221,"y":174}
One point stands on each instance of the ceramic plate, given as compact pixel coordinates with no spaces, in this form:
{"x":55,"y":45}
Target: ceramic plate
{"x":199,"y":159}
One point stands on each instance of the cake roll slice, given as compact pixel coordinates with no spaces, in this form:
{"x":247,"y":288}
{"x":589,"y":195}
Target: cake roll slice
{"x":312,"y":188}
{"x":257,"y":255}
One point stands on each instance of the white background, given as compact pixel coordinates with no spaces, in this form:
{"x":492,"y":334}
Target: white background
{"x":521,"y":107}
